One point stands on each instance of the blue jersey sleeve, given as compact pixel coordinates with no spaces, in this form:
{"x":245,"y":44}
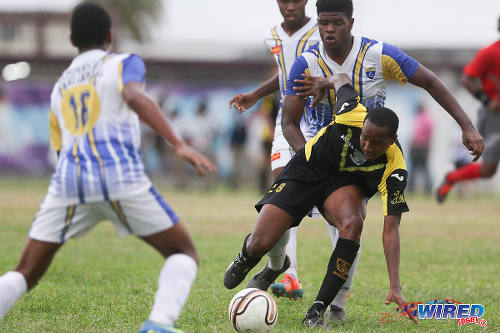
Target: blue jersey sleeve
{"x":299,"y":67}
{"x":133,"y":69}
{"x":396,"y":64}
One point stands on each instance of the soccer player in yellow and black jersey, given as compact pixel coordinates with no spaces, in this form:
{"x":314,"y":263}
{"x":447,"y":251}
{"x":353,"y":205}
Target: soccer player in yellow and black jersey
{"x":346,"y":162}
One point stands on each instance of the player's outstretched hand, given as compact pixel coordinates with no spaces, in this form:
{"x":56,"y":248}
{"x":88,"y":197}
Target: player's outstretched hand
{"x":474,"y":142}
{"x":242,"y":102}
{"x":202,"y":164}
{"x":312,"y":86}
{"x":395,"y":296}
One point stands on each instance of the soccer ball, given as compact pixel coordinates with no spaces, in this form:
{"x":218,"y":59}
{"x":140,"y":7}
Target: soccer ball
{"x":252,"y":309}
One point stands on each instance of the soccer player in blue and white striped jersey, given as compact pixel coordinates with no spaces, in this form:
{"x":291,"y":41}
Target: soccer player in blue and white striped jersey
{"x":94,"y":125}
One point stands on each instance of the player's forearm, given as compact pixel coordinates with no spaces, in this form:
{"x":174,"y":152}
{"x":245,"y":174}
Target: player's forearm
{"x":390,"y":239}
{"x":291,"y":115}
{"x":149,"y":112}
{"x":267,"y":87}
{"x":293,"y":134}
{"x":427,"y":80}
{"x":472,"y":84}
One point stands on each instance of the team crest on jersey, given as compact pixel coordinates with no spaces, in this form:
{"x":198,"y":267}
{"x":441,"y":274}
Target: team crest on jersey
{"x":357,"y":157}
{"x":370,"y":72}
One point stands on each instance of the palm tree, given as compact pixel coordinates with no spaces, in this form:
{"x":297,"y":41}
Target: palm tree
{"x":134,"y":15}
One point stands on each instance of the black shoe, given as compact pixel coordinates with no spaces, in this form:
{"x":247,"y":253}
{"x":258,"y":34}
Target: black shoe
{"x":263,"y":279}
{"x":238,"y":270}
{"x":314,"y":316}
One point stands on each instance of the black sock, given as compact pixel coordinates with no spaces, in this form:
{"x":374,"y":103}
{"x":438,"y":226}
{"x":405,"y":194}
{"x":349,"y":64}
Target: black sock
{"x":338,"y":268}
{"x":252,"y":261}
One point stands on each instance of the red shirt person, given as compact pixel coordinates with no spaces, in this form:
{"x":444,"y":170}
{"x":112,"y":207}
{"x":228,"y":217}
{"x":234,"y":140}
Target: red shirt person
{"x":481,"y":77}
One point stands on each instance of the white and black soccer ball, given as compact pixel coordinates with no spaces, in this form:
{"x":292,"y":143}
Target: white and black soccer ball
{"x":252,"y":309}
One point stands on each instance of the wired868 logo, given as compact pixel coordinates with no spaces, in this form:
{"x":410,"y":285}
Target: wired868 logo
{"x":439,"y":309}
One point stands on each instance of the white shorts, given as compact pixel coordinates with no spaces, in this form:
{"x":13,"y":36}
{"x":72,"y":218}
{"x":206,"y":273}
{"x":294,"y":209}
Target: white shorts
{"x":144,"y":214}
{"x":281,"y":152}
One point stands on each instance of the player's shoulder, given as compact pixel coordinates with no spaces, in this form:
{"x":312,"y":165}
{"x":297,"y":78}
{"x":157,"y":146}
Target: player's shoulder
{"x":369,"y":45}
{"x":271,"y":32}
{"x":121,"y":56}
{"x":313,"y":50}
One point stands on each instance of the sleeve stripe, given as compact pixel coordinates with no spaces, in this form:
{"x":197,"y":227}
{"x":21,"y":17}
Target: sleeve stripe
{"x":281,"y":61}
{"x":302,"y":43}
{"x":327,"y":72}
{"x":357,"y":79}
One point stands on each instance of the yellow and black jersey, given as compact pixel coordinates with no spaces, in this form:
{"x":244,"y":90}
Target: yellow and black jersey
{"x":335,"y":151}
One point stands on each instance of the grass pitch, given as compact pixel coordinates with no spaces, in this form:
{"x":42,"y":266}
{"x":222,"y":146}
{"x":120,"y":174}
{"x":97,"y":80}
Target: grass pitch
{"x":101,"y":283}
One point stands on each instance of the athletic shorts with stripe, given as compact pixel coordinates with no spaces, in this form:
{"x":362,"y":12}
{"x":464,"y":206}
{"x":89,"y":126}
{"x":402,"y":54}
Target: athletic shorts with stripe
{"x":143,"y":214}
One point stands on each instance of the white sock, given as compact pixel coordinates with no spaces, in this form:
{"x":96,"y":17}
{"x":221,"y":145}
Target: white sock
{"x":174,"y":285}
{"x":291,"y":251}
{"x":277,"y":254}
{"x":12,"y":286}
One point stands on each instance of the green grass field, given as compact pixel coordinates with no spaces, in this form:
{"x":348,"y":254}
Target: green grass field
{"x":101,"y":283}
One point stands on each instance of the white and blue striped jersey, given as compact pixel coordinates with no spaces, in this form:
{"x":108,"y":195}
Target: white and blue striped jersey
{"x":95,"y":131}
{"x":285,"y":49}
{"x":369,"y":64}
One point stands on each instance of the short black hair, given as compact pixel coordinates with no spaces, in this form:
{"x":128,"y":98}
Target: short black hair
{"x":384,"y":117}
{"x":342,"y":6}
{"x":90,"y":24}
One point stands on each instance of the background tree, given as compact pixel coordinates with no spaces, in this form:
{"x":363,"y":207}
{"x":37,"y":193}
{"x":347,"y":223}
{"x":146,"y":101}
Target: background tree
{"x":135,"y":16}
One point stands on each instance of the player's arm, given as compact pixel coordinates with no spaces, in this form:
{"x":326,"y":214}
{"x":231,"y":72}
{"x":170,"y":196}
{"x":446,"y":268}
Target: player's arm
{"x":55,"y":133}
{"x":427,"y":80}
{"x":149,"y":112}
{"x":471,"y":79}
{"x":293,"y":106}
{"x":292,"y":111}
{"x":315,"y":86}
{"x":390,"y":240}
{"x":318,"y":86}
{"x":242,"y":102}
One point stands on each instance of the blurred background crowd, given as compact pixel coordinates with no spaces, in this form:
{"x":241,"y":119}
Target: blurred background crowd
{"x":193,"y":75}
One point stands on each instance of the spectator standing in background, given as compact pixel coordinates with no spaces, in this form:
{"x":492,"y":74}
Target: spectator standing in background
{"x":419,"y":150}
{"x":201,"y":132}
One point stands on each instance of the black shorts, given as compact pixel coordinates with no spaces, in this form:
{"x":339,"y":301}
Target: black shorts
{"x":298,"y":189}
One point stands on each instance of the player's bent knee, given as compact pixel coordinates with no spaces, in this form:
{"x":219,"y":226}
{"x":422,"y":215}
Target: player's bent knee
{"x":351,"y":228}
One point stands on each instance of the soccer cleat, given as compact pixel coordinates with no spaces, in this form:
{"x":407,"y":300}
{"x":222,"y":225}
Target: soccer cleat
{"x":334,"y":314}
{"x":238,"y":270}
{"x":263,"y":279}
{"x":150,"y":326}
{"x":442,"y":188}
{"x":442,"y":191}
{"x":314,"y":316}
{"x":289,"y":287}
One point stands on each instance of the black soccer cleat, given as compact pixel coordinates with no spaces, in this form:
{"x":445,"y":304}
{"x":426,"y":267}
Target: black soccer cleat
{"x":314,"y":316}
{"x":263,"y":279}
{"x":238,"y":270}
